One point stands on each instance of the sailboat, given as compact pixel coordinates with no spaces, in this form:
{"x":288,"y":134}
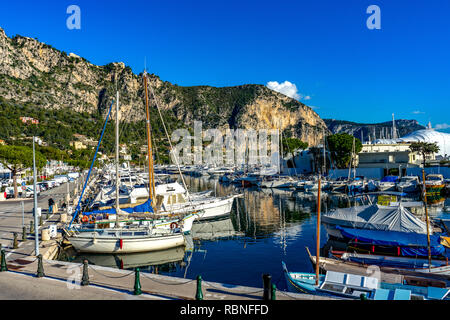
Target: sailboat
{"x":129,"y":238}
{"x":175,"y":199}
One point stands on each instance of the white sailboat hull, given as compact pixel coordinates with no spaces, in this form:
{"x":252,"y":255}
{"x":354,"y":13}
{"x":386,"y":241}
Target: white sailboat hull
{"x":87,"y":243}
{"x":212,"y":209}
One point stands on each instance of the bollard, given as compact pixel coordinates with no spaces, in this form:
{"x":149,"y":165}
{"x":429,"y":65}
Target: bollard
{"x":31,"y":227}
{"x":274,"y":291}
{"x":24,"y":234}
{"x":363,"y":297}
{"x":267,"y":282}
{"x":40,"y":270}
{"x":199,"y":294}
{"x":137,"y":283}
{"x":15,"y":243}
{"x":85,"y":279}
{"x":3,"y":266}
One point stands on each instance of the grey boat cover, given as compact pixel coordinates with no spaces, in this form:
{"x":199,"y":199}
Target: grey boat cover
{"x":376,"y":217}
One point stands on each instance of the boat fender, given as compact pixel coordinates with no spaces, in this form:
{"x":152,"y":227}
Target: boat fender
{"x":121,"y":243}
{"x":173,"y":225}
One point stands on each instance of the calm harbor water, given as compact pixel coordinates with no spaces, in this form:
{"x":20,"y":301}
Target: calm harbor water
{"x":265,"y":227}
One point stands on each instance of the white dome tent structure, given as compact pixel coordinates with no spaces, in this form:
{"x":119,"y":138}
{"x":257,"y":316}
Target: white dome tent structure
{"x":442,"y":139}
{"x":429,"y":135}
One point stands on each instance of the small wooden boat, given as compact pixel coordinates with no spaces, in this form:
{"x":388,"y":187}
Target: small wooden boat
{"x":352,"y":286}
{"x":402,"y":263}
{"x":386,"y":274}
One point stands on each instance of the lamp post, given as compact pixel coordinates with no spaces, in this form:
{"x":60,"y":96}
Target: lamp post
{"x":36,"y":229}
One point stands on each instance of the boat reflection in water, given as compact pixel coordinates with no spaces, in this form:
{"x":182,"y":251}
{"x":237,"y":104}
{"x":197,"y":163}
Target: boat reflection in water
{"x":214,"y":230}
{"x":135,"y":260}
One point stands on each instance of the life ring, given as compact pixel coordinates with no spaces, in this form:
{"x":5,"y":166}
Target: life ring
{"x":173,"y":225}
{"x":85,"y":219}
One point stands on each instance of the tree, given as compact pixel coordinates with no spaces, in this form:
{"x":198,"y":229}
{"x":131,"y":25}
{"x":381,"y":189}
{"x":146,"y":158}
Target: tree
{"x":424,"y":148}
{"x":292,"y":144}
{"x":19,"y":158}
{"x":341,"y":146}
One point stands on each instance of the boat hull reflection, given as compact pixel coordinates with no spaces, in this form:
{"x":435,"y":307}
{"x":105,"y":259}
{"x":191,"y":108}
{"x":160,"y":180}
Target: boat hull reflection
{"x":134,"y":260}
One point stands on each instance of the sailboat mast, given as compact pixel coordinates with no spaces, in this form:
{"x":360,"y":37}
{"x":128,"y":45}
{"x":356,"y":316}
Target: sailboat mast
{"x":318,"y":235}
{"x":151,"y":179}
{"x":324,"y":154}
{"x":117,"y":160}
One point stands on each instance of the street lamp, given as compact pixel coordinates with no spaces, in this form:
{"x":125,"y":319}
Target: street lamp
{"x":36,"y":229}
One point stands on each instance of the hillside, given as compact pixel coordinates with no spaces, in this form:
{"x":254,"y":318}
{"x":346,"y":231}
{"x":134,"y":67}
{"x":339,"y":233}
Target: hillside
{"x":373,"y":131}
{"x":36,"y":76}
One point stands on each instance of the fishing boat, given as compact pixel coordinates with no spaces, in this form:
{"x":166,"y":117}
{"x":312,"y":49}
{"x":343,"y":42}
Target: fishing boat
{"x":352,"y":286}
{"x":373,"y":217}
{"x":388,"y":183}
{"x":278,"y":182}
{"x":402,"y":244}
{"x":434,"y":183}
{"x":408,"y":184}
{"x":440,"y":267}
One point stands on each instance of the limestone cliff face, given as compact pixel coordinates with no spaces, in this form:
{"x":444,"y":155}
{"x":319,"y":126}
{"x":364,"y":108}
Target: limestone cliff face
{"x":35,"y":73}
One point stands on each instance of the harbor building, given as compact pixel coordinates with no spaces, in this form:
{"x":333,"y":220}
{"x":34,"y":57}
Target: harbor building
{"x":393,"y":158}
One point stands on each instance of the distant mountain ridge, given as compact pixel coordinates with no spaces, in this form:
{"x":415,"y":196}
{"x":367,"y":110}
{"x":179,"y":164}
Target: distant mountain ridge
{"x":373,"y":131}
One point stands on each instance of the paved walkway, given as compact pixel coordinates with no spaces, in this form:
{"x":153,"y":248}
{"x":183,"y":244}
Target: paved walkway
{"x":64,"y":279}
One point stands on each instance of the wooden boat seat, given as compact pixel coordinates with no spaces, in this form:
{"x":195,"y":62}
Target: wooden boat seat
{"x":437,"y":293}
{"x":424,"y":282}
{"x":382,"y":294}
{"x":401,"y":294}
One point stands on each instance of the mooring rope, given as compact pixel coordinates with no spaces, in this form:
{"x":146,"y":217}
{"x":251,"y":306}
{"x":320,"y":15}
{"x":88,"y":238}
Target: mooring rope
{"x":124,"y":276}
{"x":224,"y":288}
{"x":165,"y":283}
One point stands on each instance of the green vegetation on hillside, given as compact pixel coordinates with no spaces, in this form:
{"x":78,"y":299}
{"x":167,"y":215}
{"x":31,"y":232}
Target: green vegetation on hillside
{"x":57,"y":129}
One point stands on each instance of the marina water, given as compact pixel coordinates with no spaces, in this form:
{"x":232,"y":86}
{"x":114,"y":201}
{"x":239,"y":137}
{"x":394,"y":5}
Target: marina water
{"x":265,"y":227}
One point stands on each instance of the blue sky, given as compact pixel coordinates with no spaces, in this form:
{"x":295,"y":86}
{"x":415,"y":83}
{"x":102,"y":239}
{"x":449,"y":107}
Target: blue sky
{"x":339,"y":67}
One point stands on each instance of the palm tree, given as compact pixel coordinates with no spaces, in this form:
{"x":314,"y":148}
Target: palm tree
{"x":424,"y":148}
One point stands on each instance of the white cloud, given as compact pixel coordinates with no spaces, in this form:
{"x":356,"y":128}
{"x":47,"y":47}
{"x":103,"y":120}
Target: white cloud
{"x":287,"y":88}
{"x":307,"y":98}
{"x":418,"y":112}
{"x":442,"y":126}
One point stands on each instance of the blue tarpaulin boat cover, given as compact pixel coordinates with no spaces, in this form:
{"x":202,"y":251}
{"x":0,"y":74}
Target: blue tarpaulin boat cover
{"x":390,"y":179}
{"x":410,"y":243}
{"x":142,"y":208}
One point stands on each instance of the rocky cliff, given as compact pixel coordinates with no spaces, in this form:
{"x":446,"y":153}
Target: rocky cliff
{"x":32,"y":72}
